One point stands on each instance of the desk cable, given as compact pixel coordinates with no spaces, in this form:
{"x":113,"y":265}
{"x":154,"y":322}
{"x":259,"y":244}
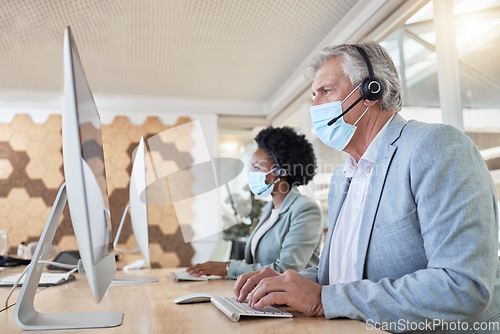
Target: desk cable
{"x":73,"y":267}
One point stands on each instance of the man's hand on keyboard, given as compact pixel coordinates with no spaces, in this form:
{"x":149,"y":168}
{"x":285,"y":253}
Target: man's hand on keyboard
{"x":209,"y":268}
{"x":247,"y":282}
{"x":290,"y":289}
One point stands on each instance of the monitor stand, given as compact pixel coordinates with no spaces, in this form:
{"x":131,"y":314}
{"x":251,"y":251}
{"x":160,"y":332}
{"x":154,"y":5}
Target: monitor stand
{"x":129,"y":279}
{"x":25,"y":315}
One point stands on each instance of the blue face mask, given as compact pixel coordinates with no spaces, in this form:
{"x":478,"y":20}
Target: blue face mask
{"x":340,"y":133}
{"x":257,"y":183}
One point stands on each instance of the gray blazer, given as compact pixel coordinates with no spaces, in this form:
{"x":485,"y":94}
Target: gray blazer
{"x":292,"y":242}
{"x":428,"y":237}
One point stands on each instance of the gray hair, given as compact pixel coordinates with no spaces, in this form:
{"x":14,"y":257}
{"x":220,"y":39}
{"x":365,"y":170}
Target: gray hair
{"x":355,"y":69}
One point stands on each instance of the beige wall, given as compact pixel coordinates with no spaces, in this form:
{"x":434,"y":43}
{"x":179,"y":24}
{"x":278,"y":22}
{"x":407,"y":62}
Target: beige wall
{"x":31,"y":172}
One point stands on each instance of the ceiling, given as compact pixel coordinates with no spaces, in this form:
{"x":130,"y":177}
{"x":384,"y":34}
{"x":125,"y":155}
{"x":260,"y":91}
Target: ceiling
{"x":236,"y":57}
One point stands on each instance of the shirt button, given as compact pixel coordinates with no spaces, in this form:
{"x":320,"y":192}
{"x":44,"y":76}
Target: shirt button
{"x":363,"y":176}
{"x":357,"y":210}
{"x":342,"y":281}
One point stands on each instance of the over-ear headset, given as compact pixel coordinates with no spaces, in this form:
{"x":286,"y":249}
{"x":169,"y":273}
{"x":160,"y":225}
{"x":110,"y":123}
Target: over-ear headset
{"x":280,"y":172}
{"x":371,"y":88}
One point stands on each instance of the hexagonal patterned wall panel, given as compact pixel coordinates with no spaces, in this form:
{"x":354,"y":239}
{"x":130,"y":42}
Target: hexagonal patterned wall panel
{"x":31,"y":172}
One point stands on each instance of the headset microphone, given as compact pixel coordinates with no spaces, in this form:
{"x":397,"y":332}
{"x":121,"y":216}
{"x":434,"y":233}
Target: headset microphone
{"x":280,"y":173}
{"x":269,"y":185}
{"x":345,"y":112}
{"x":371,"y":88}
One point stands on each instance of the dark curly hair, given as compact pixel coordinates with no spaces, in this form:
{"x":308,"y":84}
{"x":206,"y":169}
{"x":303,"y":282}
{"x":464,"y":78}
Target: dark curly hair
{"x":293,"y":151}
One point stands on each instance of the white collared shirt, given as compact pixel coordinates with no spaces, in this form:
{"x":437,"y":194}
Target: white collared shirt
{"x":344,"y":244}
{"x":263,"y":229}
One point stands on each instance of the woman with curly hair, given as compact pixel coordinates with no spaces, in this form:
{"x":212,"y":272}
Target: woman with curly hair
{"x":289,"y":233}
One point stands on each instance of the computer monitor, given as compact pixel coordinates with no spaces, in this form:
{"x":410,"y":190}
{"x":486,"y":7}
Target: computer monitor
{"x":138,"y":203}
{"x":85,"y":174}
{"x":86,"y":192}
{"x":138,"y":215}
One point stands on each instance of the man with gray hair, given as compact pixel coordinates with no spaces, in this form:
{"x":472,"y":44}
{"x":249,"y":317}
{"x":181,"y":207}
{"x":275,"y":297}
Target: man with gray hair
{"x":413,"y":236}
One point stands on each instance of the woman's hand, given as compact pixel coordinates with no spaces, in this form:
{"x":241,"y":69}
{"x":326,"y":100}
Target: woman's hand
{"x":209,"y":268}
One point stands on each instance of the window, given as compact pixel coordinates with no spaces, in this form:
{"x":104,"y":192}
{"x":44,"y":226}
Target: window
{"x":412,"y":46}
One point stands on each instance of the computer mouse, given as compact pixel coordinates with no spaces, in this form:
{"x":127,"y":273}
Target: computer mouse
{"x":137,"y":264}
{"x":192,"y":298}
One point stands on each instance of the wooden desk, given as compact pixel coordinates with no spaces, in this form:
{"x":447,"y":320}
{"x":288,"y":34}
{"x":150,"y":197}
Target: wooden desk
{"x":149,"y":308}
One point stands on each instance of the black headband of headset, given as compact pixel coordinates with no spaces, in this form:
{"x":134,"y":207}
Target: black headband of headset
{"x":371,"y":74}
{"x":280,"y":172}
